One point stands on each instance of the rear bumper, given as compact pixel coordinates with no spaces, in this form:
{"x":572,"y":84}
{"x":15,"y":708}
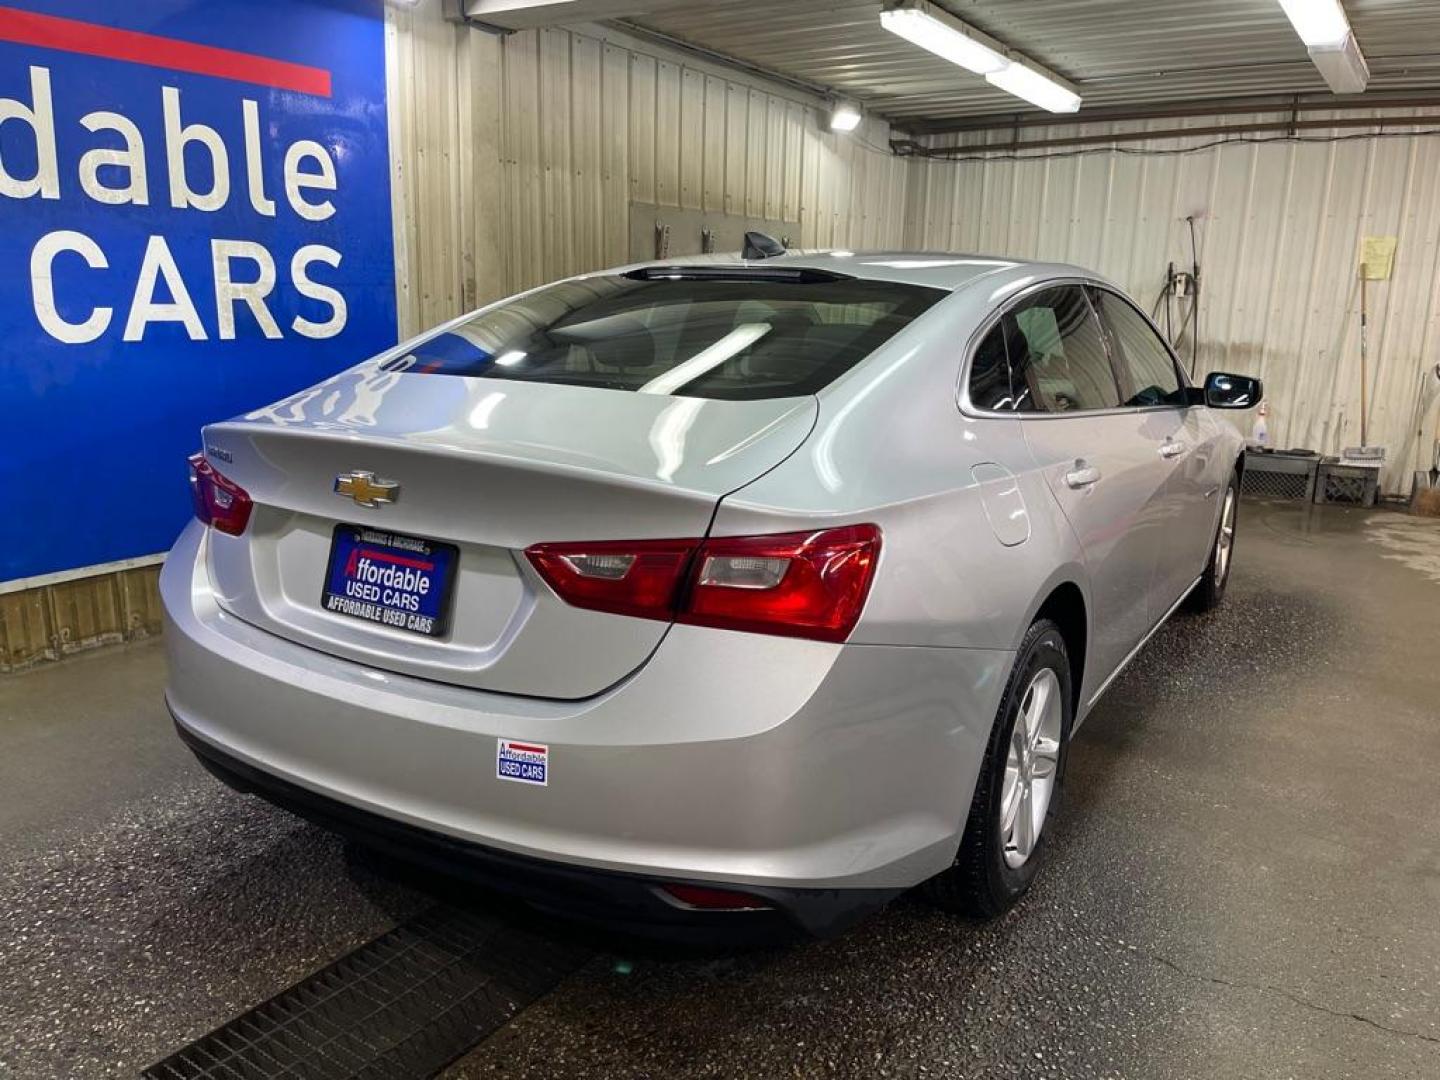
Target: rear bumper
{"x":770,"y":765}
{"x":575,"y":891}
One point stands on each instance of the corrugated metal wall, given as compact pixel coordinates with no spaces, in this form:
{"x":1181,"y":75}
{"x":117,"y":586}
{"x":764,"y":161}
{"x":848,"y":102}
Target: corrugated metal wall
{"x":517,"y":157}
{"x":1279,"y":224}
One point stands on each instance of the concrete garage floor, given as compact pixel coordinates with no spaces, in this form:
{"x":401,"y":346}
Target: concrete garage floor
{"x":1245,"y":881}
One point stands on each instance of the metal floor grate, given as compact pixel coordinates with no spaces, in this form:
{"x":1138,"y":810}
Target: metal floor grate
{"x":398,"y":1008}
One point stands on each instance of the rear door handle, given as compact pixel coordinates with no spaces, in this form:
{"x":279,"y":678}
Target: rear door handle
{"x":1170,"y":449}
{"x":1082,"y":475}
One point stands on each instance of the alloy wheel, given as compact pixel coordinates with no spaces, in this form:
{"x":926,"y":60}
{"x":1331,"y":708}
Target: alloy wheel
{"x":1226,"y":540}
{"x":1031,"y":763}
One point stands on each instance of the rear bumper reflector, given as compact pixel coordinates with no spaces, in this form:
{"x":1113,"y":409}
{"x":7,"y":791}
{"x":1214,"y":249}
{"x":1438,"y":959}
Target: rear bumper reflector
{"x":705,"y":898}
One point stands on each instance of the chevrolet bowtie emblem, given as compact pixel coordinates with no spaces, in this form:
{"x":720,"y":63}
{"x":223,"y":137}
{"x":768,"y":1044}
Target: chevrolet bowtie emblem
{"x":365,"y":489}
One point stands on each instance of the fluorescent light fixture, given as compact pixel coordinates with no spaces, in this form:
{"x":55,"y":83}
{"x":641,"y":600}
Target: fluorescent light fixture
{"x":939,"y":32}
{"x":1035,"y":88}
{"x":1321,"y":24}
{"x":1325,"y":30}
{"x":844,"y":117}
{"x":1344,"y":69}
{"x":511,"y":358}
{"x":945,"y":36}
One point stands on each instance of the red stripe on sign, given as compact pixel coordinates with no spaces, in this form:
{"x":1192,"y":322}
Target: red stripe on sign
{"x":72,"y":35}
{"x":402,"y":560}
{"x":526,"y":749}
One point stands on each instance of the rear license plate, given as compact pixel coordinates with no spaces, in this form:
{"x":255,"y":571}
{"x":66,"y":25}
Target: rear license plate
{"x":383,"y":577}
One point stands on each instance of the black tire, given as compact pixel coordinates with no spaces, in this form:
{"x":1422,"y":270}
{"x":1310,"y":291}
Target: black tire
{"x":980,"y":883}
{"x":1210,"y":589}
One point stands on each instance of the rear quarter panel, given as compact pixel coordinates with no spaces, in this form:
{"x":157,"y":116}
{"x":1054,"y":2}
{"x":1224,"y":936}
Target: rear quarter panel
{"x":890,"y":446}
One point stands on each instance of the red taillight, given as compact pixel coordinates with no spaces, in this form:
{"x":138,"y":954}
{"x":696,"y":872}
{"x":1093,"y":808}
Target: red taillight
{"x":219,"y":501}
{"x":634,"y":577}
{"x":708,"y":899}
{"x":803,"y":584}
{"x":810,"y":584}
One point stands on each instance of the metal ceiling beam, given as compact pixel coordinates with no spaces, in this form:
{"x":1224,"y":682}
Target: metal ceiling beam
{"x":1294,"y":103}
{"x":714,"y":56}
{"x":980,"y":150}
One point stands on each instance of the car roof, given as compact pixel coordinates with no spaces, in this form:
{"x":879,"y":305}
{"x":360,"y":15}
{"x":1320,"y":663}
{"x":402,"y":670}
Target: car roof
{"x":950,"y":271}
{"x":936,"y":269}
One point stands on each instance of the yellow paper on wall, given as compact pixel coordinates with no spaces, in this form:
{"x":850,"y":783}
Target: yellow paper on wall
{"x":1377,"y":257}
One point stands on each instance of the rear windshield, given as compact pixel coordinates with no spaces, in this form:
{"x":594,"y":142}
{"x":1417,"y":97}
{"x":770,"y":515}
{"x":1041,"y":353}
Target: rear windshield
{"x":737,"y":339}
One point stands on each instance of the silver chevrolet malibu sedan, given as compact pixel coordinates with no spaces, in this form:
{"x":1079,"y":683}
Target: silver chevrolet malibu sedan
{"x":706,"y":594}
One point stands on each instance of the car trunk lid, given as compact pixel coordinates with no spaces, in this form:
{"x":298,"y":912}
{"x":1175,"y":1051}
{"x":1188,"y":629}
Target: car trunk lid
{"x":490,"y":467}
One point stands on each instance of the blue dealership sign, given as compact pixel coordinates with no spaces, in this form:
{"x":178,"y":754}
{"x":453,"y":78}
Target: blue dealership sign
{"x":194,"y":221}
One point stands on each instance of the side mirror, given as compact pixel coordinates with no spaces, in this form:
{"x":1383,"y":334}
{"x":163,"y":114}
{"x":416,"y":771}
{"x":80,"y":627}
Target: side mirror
{"x":1224,"y":391}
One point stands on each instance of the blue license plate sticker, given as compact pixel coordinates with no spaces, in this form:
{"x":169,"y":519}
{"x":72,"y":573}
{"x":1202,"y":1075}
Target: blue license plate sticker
{"x":522,"y":762}
{"x":398,"y":581}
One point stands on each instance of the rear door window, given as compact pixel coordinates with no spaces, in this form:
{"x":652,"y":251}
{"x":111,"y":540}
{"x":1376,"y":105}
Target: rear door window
{"x":1058,"y":360}
{"x":1146,"y":369}
{"x":698,"y":332}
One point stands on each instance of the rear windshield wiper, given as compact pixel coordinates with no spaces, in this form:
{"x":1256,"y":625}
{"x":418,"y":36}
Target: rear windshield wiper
{"x":791,"y":275}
